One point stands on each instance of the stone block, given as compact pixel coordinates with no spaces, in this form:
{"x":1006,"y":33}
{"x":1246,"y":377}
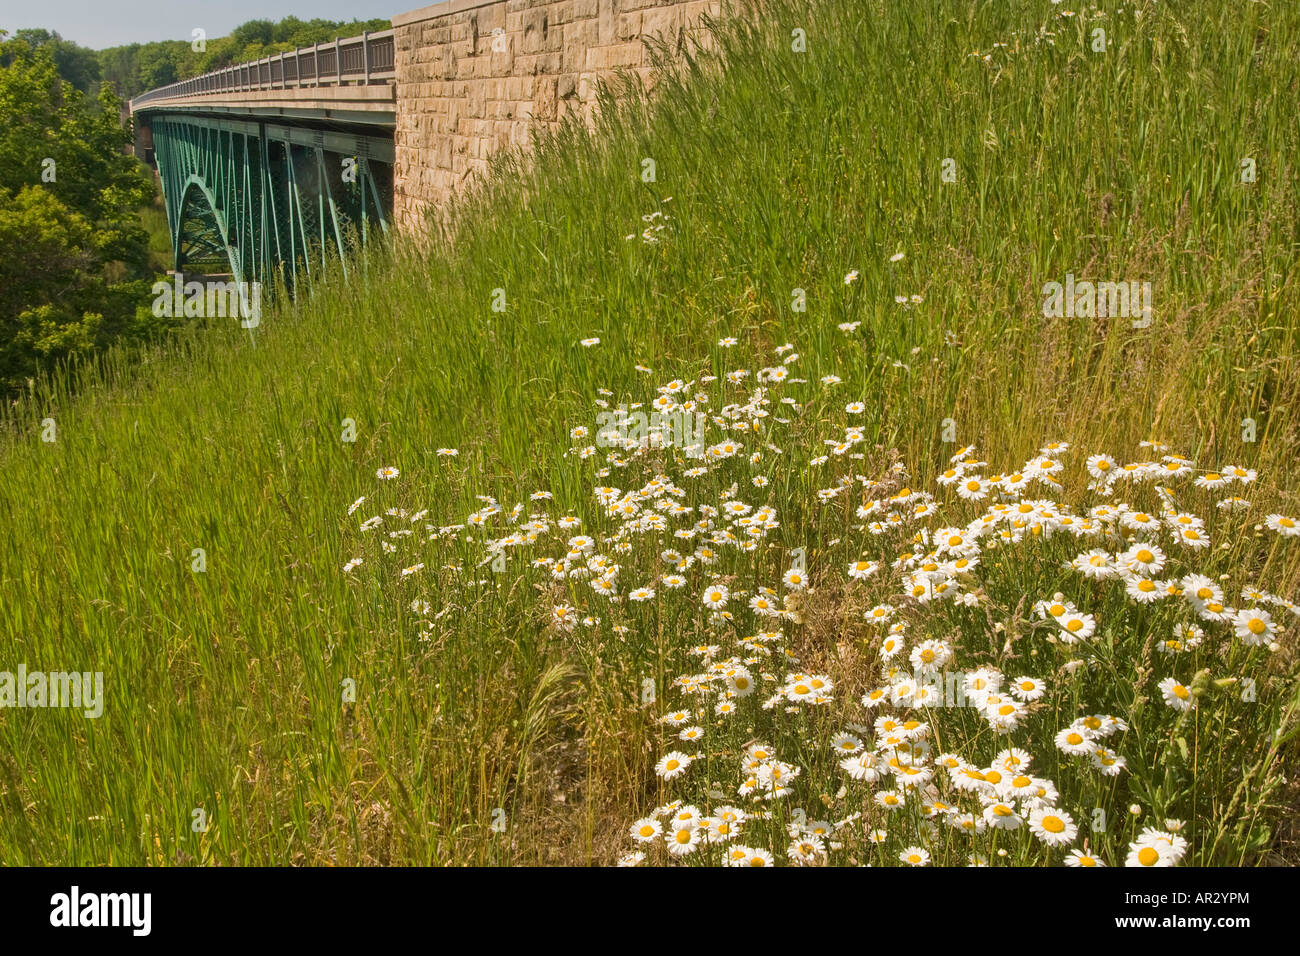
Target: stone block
{"x":627,"y":26}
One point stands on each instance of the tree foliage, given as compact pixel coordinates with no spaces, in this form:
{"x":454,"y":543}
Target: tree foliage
{"x":75,"y":268}
{"x":76,"y":64}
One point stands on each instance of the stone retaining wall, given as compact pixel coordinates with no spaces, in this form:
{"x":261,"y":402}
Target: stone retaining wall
{"x":474,"y":76}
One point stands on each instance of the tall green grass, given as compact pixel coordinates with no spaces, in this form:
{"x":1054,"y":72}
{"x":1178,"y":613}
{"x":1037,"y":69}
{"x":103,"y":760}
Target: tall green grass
{"x":154,"y":219}
{"x":780,"y":171}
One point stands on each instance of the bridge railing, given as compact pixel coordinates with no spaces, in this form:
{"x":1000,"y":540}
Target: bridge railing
{"x":359,"y":60}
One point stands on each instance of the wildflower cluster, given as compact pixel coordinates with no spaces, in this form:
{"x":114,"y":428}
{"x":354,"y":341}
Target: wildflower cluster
{"x":956,"y":674}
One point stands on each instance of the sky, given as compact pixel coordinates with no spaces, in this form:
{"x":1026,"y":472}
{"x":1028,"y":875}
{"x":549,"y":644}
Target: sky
{"x":103,"y":23}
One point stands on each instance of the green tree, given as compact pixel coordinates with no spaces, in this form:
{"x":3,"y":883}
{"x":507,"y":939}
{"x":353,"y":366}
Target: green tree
{"x":259,"y":32}
{"x":54,"y":136}
{"x":51,"y":290}
{"x":158,"y":65}
{"x":76,"y":64}
{"x":118,"y":67}
{"x":75,"y":265}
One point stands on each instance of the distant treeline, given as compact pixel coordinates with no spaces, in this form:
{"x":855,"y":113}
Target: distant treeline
{"x":137,"y":67}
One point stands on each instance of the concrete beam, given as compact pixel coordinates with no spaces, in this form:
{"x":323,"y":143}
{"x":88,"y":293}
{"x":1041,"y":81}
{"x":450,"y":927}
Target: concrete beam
{"x":373,"y":105}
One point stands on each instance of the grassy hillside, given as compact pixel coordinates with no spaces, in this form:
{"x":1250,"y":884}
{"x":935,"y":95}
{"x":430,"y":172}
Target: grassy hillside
{"x":479,"y":687}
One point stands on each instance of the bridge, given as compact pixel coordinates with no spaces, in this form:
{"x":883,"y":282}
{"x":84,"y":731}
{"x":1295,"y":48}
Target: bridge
{"x":273,"y":168}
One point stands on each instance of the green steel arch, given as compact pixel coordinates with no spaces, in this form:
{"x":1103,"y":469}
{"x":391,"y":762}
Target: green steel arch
{"x":199,"y":234}
{"x":269,"y":200}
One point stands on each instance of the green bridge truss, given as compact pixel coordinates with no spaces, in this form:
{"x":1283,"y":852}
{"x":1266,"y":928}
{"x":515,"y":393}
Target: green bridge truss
{"x":272,"y":201}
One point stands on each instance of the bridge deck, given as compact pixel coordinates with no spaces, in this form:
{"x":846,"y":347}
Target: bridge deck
{"x":371,"y":105}
{"x":350,"y":80}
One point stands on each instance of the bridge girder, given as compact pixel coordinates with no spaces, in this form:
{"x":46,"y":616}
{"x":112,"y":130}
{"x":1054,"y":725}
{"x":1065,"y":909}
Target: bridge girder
{"x":273,"y":200}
